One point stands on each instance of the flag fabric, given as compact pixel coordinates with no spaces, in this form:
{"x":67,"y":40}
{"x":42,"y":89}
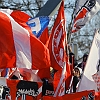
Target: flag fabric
{"x":97,"y":95}
{"x":57,"y":76}
{"x":38,"y":24}
{"x":68,"y":76}
{"x":42,"y":73}
{"x":19,"y":89}
{"x":15,"y":74}
{"x":84,"y":95}
{"x":90,"y":78}
{"x":96,"y":78}
{"x":4,"y":72}
{"x":44,"y":36}
{"x":57,"y":40}
{"x":24,"y":74}
{"x":19,"y":47}
{"x":85,"y":10}
{"x":57,"y":50}
{"x":29,"y":75}
{"x":61,"y":89}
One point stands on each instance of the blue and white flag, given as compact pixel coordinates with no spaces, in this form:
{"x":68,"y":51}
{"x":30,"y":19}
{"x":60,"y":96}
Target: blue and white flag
{"x":38,"y":24}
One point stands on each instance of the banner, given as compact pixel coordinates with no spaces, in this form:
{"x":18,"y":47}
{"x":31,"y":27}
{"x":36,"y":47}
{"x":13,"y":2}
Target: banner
{"x":85,"y":10}
{"x":84,"y":95}
{"x":19,"y":90}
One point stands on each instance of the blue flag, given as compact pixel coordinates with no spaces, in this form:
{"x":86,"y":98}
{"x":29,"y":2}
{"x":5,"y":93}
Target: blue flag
{"x":38,"y":24}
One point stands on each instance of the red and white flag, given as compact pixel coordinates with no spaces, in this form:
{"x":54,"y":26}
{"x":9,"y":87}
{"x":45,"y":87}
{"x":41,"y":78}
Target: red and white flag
{"x":90,"y":78}
{"x":19,"y":89}
{"x":57,"y":49}
{"x":84,"y":95}
{"x":18,"y":46}
{"x":85,"y":10}
{"x":57,"y":40}
{"x":60,"y":89}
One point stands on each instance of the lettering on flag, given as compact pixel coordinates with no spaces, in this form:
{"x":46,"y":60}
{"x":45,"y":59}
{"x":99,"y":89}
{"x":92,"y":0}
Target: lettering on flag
{"x":84,"y":95}
{"x":27,"y":88}
{"x":19,"y":89}
{"x":57,"y":49}
{"x":56,"y":43}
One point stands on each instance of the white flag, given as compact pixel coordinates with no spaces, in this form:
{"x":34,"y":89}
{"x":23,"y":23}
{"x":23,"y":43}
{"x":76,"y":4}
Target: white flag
{"x":92,"y":67}
{"x":85,"y":10}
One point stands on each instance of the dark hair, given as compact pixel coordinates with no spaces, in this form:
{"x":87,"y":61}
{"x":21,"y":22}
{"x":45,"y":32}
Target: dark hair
{"x":85,"y":56}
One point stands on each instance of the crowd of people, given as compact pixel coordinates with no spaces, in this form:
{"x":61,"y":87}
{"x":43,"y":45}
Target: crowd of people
{"x":78,"y":68}
{"x":77,"y":71}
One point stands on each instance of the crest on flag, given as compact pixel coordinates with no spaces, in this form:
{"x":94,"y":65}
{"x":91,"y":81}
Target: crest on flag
{"x":58,"y":52}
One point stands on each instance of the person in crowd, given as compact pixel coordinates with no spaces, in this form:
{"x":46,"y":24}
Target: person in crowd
{"x":76,"y":78}
{"x":47,"y":88}
{"x":83,"y":63}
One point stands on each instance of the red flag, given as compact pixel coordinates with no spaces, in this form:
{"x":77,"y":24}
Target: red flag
{"x":20,"y":90}
{"x":97,"y":95}
{"x":57,"y":51}
{"x":68,"y":75}
{"x":42,"y":73}
{"x":19,"y":47}
{"x":44,"y":36}
{"x":57,"y":77}
{"x":56,"y":42}
{"x":84,"y":95}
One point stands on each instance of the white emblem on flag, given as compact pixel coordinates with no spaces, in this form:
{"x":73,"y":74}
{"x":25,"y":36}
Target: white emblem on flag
{"x":57,"y":46}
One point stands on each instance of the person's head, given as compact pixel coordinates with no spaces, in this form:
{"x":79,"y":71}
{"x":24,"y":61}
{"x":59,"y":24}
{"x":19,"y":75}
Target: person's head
{"x":85,"y":56}
{"x":76,"y":72}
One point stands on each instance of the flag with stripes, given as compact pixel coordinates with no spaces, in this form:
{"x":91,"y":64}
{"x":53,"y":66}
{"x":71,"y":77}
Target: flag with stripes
{"x":19,"y":47}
